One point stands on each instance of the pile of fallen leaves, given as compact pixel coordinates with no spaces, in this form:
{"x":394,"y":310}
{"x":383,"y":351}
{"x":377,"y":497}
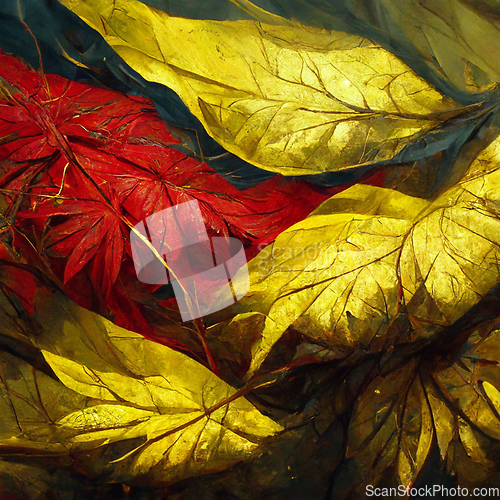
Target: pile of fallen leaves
{"x":366,"y":350}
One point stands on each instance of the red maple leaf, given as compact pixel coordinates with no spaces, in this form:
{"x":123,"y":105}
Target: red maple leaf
{"x":84,"y":164}
{"x":92,"y":230}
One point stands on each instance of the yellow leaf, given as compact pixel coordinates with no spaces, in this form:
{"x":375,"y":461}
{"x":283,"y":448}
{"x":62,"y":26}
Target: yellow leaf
{"x":377,"y":410}
{"x":368,"y":255}
{"x":489,"y":347}
{"x":458,"y":385}
{"x":289,"y":99}
{"x":470,"y":439}
{"x":30,"y":401}
{"x":397,"y":415}
{"x":465,"y":405}
{"x":493,"y":394}
{"x":417,"y":433}
{"x":392,"y":424}
{"x":178,"y":417}
{"x":444,"y":423}
{"x":148,"y":392}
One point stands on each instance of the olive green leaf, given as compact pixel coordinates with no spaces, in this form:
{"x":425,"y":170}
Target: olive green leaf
{"x":289,"y":99}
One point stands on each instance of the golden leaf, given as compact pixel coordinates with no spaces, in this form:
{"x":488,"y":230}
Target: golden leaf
{"x":289,"y":99}
{"x":470,"y":386}
{"x":178,"y":418}
{"x":29,"y":401}
{"x":444,"y":423}
{"x":466,"y":392}
{"x":392,"y":423}
{"x":471,"y":441}
{"x":417,"y":433}
{"x":368,"y":255}
{"x":413,"y":398}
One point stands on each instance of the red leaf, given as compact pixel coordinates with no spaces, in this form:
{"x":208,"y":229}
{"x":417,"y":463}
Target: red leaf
{"x":93,"y":162}
{"x":92,"y":230}
{"x":15,"y":280}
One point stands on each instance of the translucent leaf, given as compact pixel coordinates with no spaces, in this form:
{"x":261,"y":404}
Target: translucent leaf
{"x":160,"y":415}
{"x":397,"y":417}
{"x":369,"y":255}
{"x":417,"y":434}
{"x":493,"y":394}
{"x":471,"y":441}
{"x":289,"y":99}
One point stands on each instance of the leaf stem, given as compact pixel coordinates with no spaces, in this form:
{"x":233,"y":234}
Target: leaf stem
{"x":202,"y":332}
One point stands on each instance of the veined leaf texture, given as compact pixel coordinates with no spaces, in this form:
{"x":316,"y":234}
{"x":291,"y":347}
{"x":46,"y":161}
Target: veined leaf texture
{"x":352,"y":147}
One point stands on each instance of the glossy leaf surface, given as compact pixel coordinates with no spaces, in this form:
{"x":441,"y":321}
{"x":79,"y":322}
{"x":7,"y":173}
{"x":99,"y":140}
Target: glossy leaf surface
{"x":153,"y":413}
{"x":367,"y":255}
{"x":288,"y":99}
